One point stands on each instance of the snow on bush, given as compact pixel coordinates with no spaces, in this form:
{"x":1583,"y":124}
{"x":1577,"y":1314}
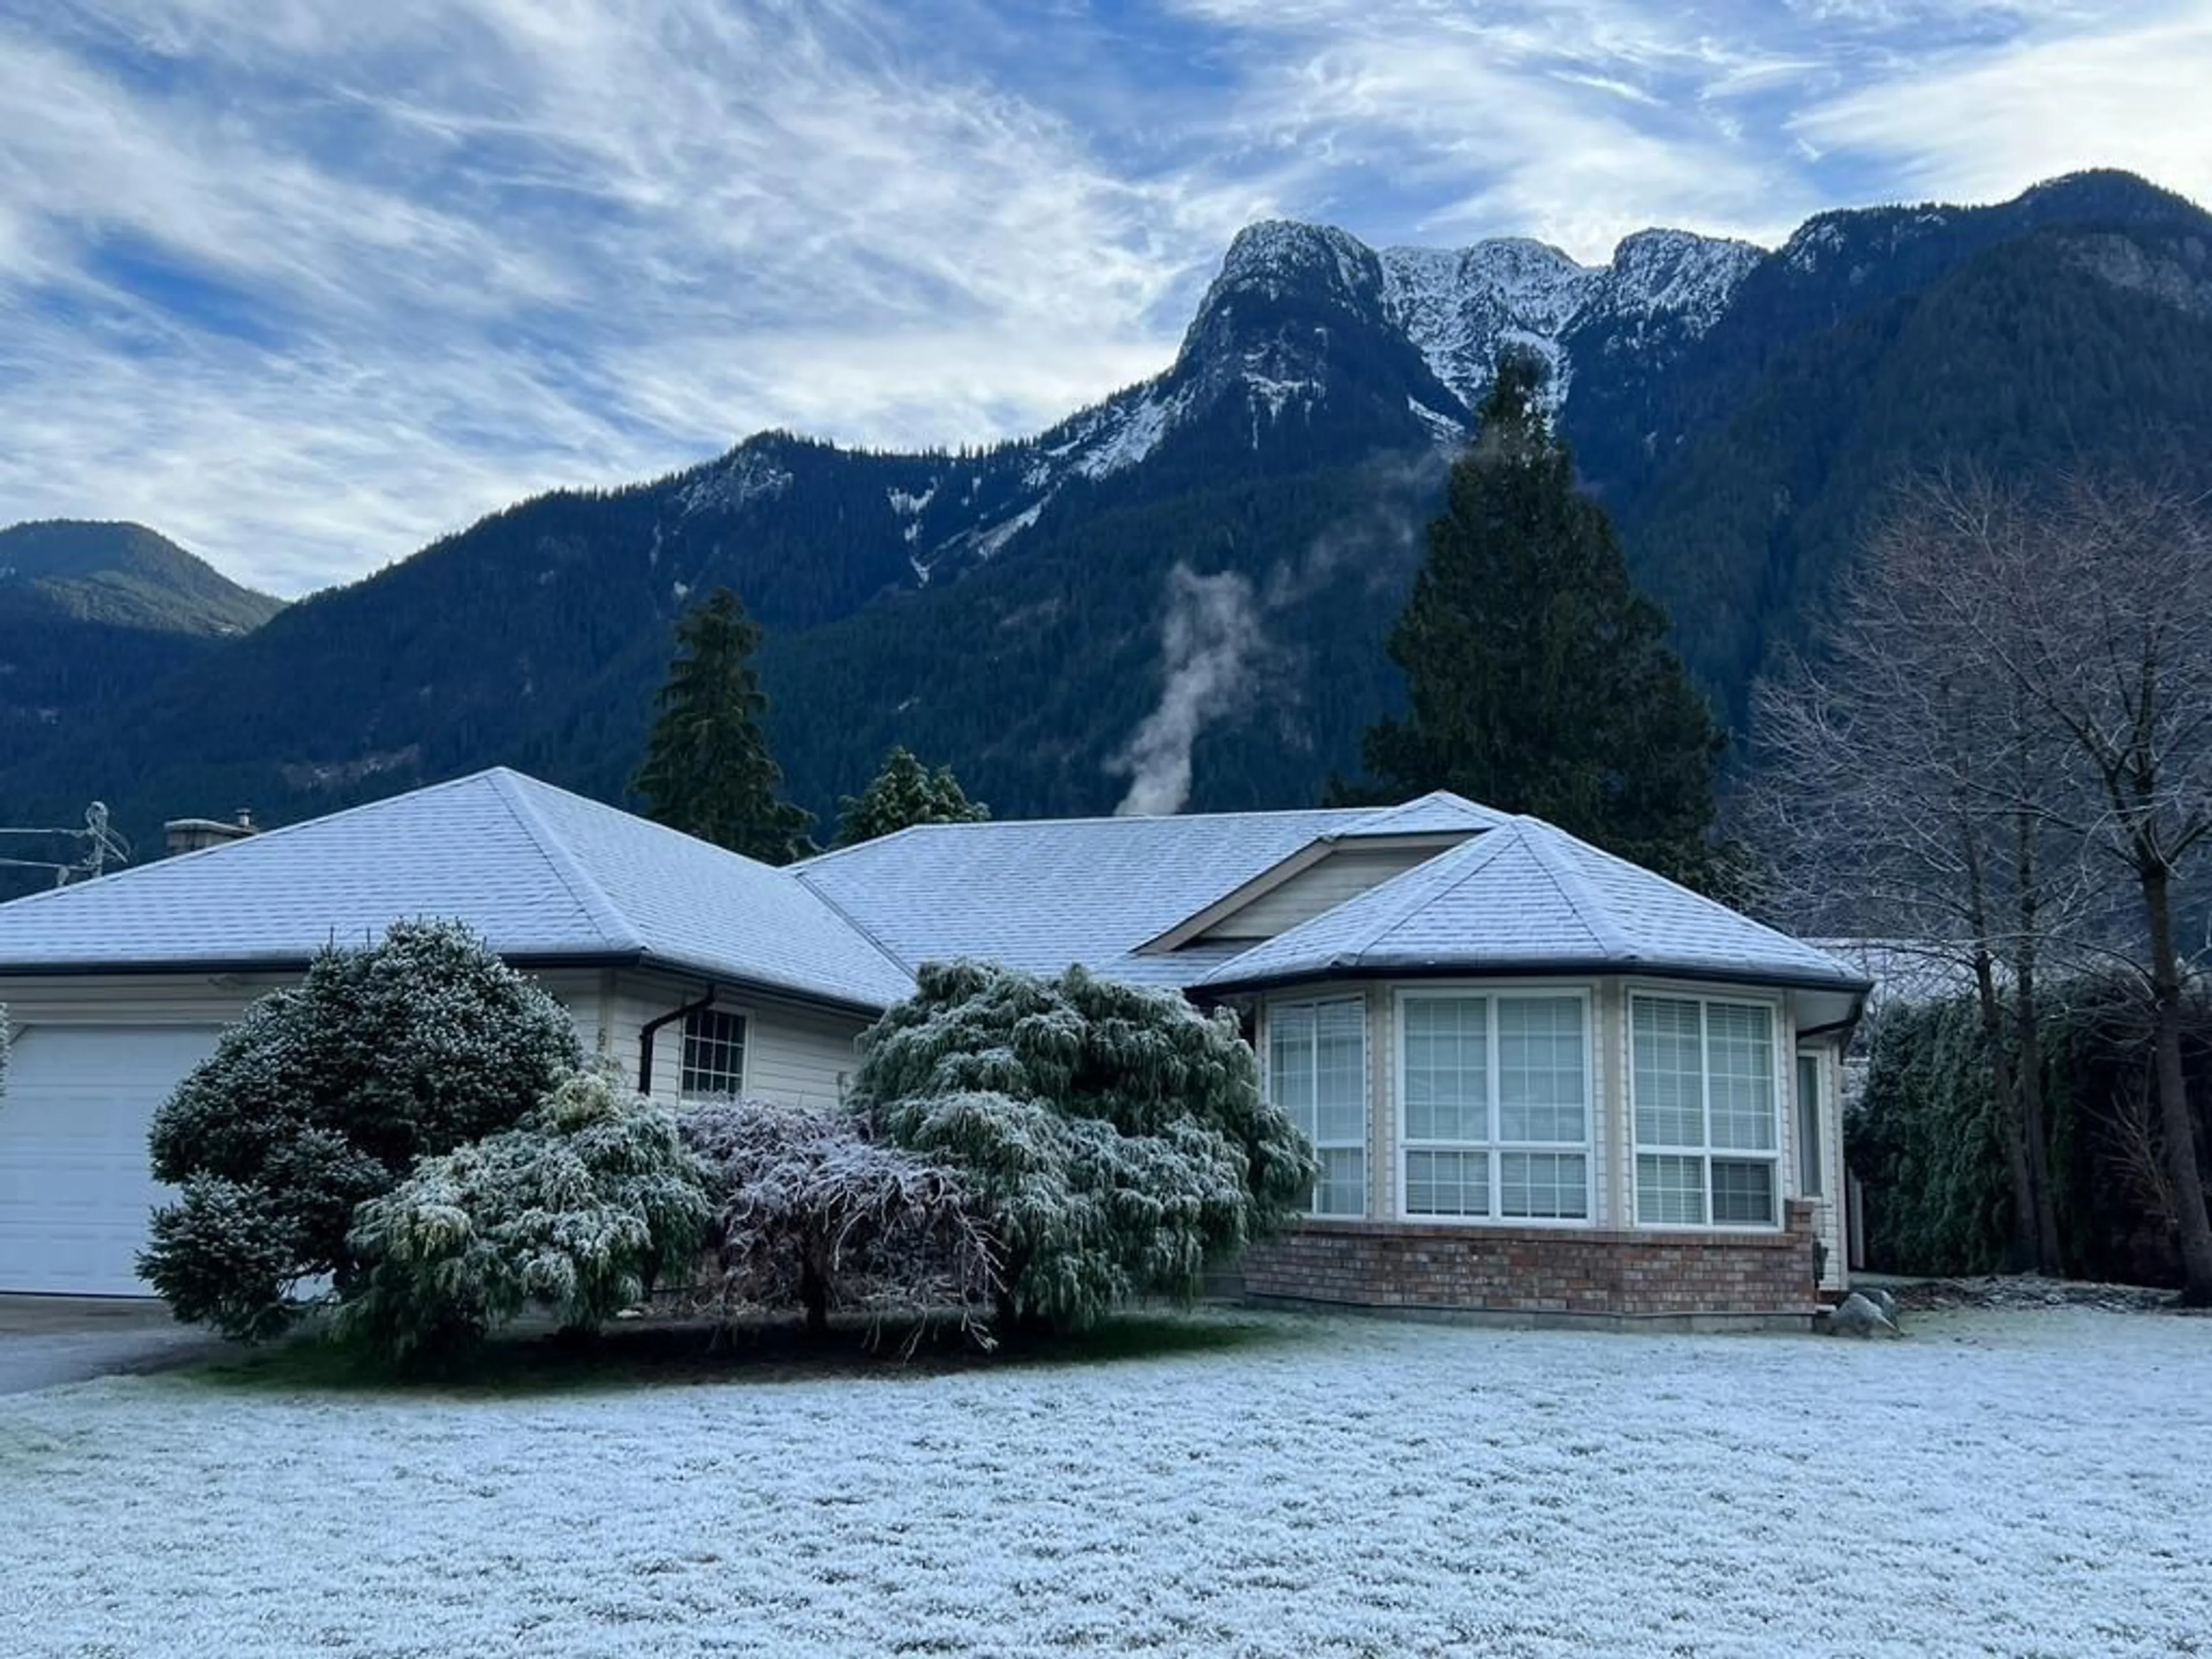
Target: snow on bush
{"x":812,"y":1214}
{"x":577,"y":1210}
{"x":1114,"y":1139}
{"x":324,"y":1095}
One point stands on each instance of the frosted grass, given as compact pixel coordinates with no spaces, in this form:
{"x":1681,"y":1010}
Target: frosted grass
{"x":1997,"y":1484}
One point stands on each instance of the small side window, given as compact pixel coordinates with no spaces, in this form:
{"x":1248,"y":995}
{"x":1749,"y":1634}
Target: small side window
{"x":714,"y":1054}
{"x":1810,"y":1161}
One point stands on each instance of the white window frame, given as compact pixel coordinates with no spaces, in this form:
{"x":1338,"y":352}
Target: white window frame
{"x":684,"y":1040}
{"x":1780,"y":1049}
{"x":1813,"y":1154}
{"x":1364,"y":1145}
{"x":1491,"y":995}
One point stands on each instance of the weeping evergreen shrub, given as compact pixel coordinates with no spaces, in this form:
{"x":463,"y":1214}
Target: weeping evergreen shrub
{"x":1112,"y":1138}
{"x":576,"y":1212}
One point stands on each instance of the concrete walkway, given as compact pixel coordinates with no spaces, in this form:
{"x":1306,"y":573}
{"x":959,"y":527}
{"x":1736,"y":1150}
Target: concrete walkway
{"x":50,"y":1339}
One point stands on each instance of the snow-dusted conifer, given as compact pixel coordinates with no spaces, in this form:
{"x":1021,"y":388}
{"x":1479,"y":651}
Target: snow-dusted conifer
{"x":324,"y":1095}
{"x":1114,"y":1138}
{"x":813,"y":1212}
{"x":577,"y":1210}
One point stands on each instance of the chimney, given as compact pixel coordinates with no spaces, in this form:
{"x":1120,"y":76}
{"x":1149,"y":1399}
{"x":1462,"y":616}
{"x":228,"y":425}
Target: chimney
{"x":196,"y":834}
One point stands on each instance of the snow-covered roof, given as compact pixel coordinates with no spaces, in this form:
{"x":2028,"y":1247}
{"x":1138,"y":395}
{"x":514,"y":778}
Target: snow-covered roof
{"x":1439,"y":812}
{"x":1042,"y":894}
{"x":545,"y":875}
{"x":1516,"y":895}
{"x":1528,"y":897}
{"x":540,"y":874}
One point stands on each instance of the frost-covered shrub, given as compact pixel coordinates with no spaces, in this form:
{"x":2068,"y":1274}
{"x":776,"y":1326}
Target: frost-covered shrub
{"x":324,"y":1095}
{"x":1115,"y":1138}
{"x":812,"y":1214}
{"x":576,"y":1211}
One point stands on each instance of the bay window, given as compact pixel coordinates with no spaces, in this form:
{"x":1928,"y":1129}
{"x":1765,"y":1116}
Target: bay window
{"x":1317,"y":1076}
{"x":1494,"y":1101}
{"x":1708,"y":1143}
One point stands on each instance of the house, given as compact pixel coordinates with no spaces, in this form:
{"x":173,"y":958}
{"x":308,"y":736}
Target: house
{"x":1542,"y":1080}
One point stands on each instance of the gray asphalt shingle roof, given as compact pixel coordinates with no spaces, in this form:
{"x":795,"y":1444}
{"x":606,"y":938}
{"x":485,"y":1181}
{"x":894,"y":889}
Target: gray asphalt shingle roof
{"x":537,"y":872}
{"x":1041,"y":894}
{"x":544,"y":874}
{"x":1528,"y":897}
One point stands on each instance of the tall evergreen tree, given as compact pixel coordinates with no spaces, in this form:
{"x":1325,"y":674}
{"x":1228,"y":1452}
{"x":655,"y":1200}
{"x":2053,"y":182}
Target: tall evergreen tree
{"x":904,"y":793}
{"x":1539,"y":680}
{"x":706,"y":769}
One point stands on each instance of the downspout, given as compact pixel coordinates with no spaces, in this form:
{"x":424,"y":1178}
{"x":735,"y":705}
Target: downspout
{"x":646,"y":1033}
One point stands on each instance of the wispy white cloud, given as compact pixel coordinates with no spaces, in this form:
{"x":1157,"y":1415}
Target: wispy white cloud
{"x":480,"y":248}
{"x":2077,"y":87}
{"x":308,"y":281}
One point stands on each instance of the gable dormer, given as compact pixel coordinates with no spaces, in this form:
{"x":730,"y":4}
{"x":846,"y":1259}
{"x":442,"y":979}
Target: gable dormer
{"x":1317,"y":877}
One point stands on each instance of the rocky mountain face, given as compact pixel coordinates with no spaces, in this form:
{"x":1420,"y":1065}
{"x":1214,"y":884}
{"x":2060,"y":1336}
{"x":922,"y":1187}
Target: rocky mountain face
{"x":1204,"y":565}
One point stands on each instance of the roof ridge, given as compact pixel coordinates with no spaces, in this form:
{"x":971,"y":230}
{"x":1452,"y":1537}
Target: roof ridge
{"x":1574,"y":888}
{"x":590,"y":897}
{"x":1351,"y":814}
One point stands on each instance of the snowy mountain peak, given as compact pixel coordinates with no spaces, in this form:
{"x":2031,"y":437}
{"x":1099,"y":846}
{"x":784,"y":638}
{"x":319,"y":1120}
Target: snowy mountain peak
{"x":1460,"y":306}
{"x":1677,"y":272}
{"x":1276,"y":258}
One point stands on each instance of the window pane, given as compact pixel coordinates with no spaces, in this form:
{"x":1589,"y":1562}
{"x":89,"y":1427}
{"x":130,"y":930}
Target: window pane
{"x":1809,"y":1178}
{"x":1548,"y":1184}
{"x":1670,"y":1191}
{"x":1340,"y":1073}
{"x":1291,"y":1064}
{"x":1447,"y":1081}
{"x":1540,"y":1085}
{"x":1741,"y":1042}
{"x":714,"y":1054}
{"x":1669,"y":1073}
{"x":1743,"y":1193}
{"x":1447,"y":1183}
{"x":1342,"y":1187}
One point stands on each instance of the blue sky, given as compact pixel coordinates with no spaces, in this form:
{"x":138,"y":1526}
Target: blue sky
{"x":305,"y":283}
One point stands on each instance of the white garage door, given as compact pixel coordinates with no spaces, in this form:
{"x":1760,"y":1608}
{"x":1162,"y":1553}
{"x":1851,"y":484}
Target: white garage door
{"x":75,"y":1187}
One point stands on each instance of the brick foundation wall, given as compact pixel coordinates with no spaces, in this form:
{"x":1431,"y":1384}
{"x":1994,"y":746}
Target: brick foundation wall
{"x":1541,"y":1270}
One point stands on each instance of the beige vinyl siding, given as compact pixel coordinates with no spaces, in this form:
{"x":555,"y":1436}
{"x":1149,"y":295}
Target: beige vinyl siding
{"x":1828,"y":1215}
{"x":1341,"y":875}
{"x":792,"y":1053}
{"x":134,"y":1000}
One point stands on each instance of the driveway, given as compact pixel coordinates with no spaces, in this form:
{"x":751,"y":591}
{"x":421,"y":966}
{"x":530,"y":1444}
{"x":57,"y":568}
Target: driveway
{"x":47,"y":1339}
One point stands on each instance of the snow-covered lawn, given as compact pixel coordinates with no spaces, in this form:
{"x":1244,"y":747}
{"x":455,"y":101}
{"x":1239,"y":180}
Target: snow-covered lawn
{"x":2007,"y":1483}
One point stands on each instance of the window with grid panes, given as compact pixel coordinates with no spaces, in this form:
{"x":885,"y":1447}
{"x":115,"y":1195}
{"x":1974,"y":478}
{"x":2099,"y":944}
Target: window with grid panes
{"x":714,"y":1054}
{"x":1494,"y":1093}
{"x":1317,"y":1077}
{"x":1708,"y":1142}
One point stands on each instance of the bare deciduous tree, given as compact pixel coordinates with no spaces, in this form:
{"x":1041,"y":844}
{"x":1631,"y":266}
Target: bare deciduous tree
{"x":2013,"y":722}
{"x":2109,"y":598}
{"x":1897,"y":796}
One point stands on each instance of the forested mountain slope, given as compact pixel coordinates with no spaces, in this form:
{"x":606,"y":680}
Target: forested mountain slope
{"x":1742,"y":413}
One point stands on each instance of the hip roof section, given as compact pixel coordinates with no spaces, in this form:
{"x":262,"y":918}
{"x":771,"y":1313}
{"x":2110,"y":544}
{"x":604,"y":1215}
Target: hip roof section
{"x":537,"y":871}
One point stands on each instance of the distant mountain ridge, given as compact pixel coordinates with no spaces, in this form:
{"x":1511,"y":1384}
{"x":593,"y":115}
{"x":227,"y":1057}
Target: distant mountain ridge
{"x":129,"y":576}
{"x":1005,"y":610}
{"x":94,"y":616}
